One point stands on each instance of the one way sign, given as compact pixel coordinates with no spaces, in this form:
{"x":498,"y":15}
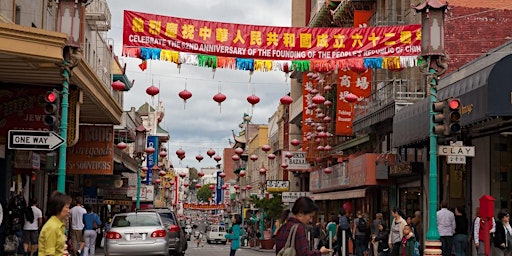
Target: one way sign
{"x":34,"y":140}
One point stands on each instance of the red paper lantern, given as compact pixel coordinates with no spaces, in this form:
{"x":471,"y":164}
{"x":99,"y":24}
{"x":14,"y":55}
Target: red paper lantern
{"x":211,"y":187}
{"x":180,"y":152}
{"x":219,"y":98}
{"x":199,"y":158}
{"x":222,"y":175}
{"x":181,"y":157}
{"x":210,"y":152}
{"x":200,"y":174}
{"x":185,"y":184}
{"x":284,"y":166}
{"x":236,"y":186}
{"x":327,"y":119}
{"x":253,"y":99}
{"x":224,"y":186}
{"x":318,"y":99}
{"x":172,"y":182}
{"x":121,"y":145}
{"x":288,"y":155}
{"x":249,"y":187}
{"x":185,"y":95}
{"x":235,"y":157}
{"x":157,"y":181}
{"x":320,"y":148}
{"x":328,"y":170}
{"x":265,"y":148}
{"x":253,"y":157}
{"x":241,"y":173}
{"x":217,"y":158}
{"x":327,"y":88}
{"x":152,"y":90}
{"x":183,"y":175}
{"x":262,"y":170}
{"x":327,"y":103}
{"x":351,"y":98}
{"x":150,"y":150}
{"x":162,"y":153}
{"x":359,"y":69}
{"x":239,"y":151}
{"x":295,"y":142}
{"x":198,"y":186}
{"x":144,"y":168}
{"x":327,"y":148}
{"x":271,"y":156}
{"x":162,"y":173}
{"x":118,"y":85}
{"x":347,"y":206}
{"x":286,"y":100}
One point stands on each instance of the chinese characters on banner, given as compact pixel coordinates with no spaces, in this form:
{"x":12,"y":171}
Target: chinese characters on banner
{"x":266,"y":42}
{"x":307,"y":110}
{"x":350,"y":82}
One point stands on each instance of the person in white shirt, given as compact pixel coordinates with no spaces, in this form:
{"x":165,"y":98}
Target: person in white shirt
{"x":478,"y":238}
{"x":446,"y":227}
{"x":77,"y":226}
{"x":31,"y":229}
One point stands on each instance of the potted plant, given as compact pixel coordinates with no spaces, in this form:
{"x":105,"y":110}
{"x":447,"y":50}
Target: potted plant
{"x":270,"y":209}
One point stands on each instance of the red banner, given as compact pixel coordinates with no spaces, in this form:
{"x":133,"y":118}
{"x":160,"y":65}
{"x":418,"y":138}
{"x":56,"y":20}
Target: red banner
{"x":355,"y":83}
{"x":205,"y":207}
{"x":265,"y":42}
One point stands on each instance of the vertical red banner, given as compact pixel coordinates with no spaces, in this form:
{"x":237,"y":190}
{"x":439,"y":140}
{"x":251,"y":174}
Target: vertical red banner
{"x":355,"y":83}
{"x":307,"y":114}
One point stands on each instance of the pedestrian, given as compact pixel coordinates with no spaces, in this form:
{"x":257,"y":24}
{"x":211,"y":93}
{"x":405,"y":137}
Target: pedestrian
{"x":360,"y":231}
{"x":408,"y":240}
{"x":92,"y":223}
{"x":479,"y":233}
{"x":31,"y":228}
{"x":502,"y":235}
{"x":316,"y":235}
{"x":379,"y":219}
{"x":323,"y":236}
{"x":396,"y":232}
{"x":236,"y":219}
{"x":460,"y":238}
{"x":381,"y":239}
{"x":77,"y":227}
{"x":446,"y":228}
{"x":52,"y":240}
{"x":302,"y":211}
{"x":332,"y":229}
{"x":199,"y":237}
{"x":343,"y":228}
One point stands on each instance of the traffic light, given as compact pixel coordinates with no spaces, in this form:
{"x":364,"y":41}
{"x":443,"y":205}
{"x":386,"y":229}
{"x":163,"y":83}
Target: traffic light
{"x":51,"y":108}
{"x":453,"y":117}
{"x":440,"y":112}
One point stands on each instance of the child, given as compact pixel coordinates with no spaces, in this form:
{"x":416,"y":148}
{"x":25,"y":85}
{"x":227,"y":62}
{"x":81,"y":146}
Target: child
{"x":382,"y":238}
{"x":236,"y":219}
{"x":199,"y":236}
{"x":408,"y":241}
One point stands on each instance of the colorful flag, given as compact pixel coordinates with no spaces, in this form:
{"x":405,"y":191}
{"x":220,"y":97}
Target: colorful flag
{"x":144,"y":65}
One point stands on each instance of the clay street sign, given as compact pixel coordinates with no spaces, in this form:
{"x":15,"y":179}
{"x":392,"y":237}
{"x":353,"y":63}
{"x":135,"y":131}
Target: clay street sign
{"x":34,"y":140}
{"x":456,"y":151}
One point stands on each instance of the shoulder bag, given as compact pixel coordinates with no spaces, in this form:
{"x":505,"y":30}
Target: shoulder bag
{"x":289,"y":247}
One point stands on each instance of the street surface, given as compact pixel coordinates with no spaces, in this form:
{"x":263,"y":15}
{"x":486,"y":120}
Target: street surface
{"x":213,"y":249}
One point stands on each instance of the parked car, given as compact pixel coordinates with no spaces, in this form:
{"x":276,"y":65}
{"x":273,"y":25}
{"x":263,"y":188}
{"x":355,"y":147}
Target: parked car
{"x":177,"y":239}
{"x":215,"y":234}
{"x":137,"y":233}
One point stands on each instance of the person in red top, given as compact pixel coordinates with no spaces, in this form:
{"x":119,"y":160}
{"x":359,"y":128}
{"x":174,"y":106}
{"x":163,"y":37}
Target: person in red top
{"x":408,"y":241}
{"x":302,"y":211}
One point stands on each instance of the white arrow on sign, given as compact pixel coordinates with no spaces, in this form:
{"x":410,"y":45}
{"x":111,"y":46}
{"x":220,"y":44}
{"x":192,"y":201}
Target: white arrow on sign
{"x":34,"y":140}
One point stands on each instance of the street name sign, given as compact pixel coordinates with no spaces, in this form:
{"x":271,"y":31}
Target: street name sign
{"x":34,"y":140}
{"x":455,"y":159}
{"x":456,"y":151}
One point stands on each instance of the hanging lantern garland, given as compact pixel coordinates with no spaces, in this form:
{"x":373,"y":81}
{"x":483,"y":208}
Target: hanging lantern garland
{"x":185,"y":95}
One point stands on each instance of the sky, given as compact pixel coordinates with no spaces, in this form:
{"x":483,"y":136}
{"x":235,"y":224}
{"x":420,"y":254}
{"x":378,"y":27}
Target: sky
{"x":200,"y":124}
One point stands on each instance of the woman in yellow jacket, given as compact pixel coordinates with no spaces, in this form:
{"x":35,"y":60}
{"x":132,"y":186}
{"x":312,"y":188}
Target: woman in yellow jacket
{"x":52,"y":240}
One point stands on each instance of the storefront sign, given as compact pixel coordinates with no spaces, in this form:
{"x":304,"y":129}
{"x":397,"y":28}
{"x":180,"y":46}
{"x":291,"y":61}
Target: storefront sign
{"x":94,"y":152}
{"x":290,"y":197}
{"x":265,"y":42}
{"x":151,"y":159}
{"x":358,"y":84}
{"x":278,"y":185}
{"x":297,"y":161}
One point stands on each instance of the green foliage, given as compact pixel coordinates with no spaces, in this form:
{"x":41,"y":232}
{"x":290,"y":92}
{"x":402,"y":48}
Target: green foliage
{"x":193,"y":174}
{"x":204,"y":193}
{"x":273,"y":207}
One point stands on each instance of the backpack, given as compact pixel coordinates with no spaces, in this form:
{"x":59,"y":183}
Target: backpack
{"x":289,"y":247}
{"x":29,"y":214}
{"x":344,"y":225}
{"x":416,"y":248}
{"x":362,"y":226}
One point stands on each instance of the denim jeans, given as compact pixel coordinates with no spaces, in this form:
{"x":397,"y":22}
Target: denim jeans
{"x":460,"y":242}
{"x":446,"y":245}
{"x":361,"y":245}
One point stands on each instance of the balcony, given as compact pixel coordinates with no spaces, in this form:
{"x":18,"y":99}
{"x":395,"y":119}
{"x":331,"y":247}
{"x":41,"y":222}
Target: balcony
{"x":98,"y":16}
{"x":385,"y":102}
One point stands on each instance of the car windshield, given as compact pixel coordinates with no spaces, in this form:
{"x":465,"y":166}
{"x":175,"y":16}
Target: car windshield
{"x":168,"y":218}
{"x":136,"y":220}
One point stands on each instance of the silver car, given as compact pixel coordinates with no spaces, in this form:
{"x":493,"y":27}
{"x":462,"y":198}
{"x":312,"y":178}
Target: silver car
{"x":137,"y":233}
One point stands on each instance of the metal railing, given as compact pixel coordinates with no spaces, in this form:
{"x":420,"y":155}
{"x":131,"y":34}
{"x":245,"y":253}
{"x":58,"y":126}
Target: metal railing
{"x":397,"y":91}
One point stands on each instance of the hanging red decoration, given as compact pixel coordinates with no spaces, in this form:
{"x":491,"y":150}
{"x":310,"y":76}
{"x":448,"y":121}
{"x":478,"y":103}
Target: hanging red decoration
{"x":150,"y":150}
{"x":185,"y":95}
{"x":162,"y":173}
{"x":121,"y":145}
{"x":152,"y":90}
{"x":224,"y":186}
{"x":313,"y":91}
{"x":327,"y":119}
{"x":236,"y":186}
{"x":327,"y":148}
{"x":183,"y":175}
{"x":253,"y":157}
{"x":200,"y":174}
{"x":295,"y":142}
{"x":222,"y":175}
{"x":286,"y":100}
{"x":327,"y":88}
{"x":210,"y":152}
{"x":241,"y":173}
{"x":351,"y":98}
{"x":235,"y":157}
{"x":265,"y":148}
{"x":318,"y":99}
{"x":320,"y":148}
{"x":144,"y":168}
{"x":328,"y":170}
{"x":249,"y":187}
{"x":358,"y":69}
{"x":239,"y":151}
{"x":172,"y":182}
{"x":199,"y":158}
{"x":162,"y":153}
{"x":217,"y":158}
{"x":319,"y":159}
{"x":180,"y":152}
{"x":198,"y":186}
{"x":288,"y":155}
{"x":253,"y":99}
{"x":284,"y":166}
{"x":157,"y":181}
{"x":219,"y":98}
{"x":181,"y":157}
{"x":186,"y":184}
{"x":118,"y":85}
{"x":211,"y":187}
{"x":327,"y":103}
{"x":262,"y":170}
{"x":271,"y":156}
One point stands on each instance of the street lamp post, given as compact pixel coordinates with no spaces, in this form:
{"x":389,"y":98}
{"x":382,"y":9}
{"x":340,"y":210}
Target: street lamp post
{"x":138,"y":151}
{"x":433,"y":51}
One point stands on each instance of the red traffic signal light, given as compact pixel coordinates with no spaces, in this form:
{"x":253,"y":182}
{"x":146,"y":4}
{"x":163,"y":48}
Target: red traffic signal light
{"x":51,"y":108}
{"x":51,"y":96}
{"x":454,"y":126}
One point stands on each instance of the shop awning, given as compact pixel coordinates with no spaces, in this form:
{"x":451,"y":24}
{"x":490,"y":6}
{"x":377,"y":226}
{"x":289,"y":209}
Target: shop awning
{"x":481,"y":86}
{"x":337,"y":195}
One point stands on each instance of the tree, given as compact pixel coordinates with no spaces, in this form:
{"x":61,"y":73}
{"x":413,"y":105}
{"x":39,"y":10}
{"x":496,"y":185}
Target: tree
{"x":273,"y":207}
{"x":204,"y":193}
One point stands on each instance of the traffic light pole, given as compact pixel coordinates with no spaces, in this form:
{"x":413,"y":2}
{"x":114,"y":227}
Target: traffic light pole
{"x":432,"y":232}
{"x":61,"y":179}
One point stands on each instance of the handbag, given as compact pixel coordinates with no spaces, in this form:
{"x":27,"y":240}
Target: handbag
{"x":11,"y":243}
{"x":289,"y":247}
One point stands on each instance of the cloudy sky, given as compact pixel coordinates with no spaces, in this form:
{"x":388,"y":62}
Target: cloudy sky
{"x":200,"y":125}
